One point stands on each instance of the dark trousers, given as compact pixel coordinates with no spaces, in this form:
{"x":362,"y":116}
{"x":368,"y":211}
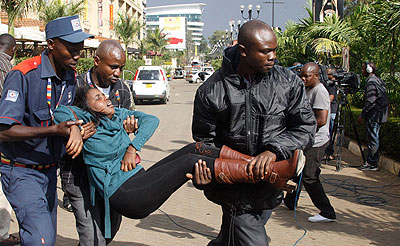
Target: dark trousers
{"x":246,"y":229}
{"x":312,"y":183}
{"x":32,"y":195}
{"x":372,"y":128}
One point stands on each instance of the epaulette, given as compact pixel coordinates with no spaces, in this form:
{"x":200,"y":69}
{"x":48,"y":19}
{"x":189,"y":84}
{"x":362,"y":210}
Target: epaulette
{"x":28,"y":64}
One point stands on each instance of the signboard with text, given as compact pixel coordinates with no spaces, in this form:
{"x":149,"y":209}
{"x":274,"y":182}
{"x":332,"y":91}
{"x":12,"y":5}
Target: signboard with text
{"x":174,"y":28}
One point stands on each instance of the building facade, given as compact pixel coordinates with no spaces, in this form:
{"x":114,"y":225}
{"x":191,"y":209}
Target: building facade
{"x":98,"y":18}
{"x":191,"y":12}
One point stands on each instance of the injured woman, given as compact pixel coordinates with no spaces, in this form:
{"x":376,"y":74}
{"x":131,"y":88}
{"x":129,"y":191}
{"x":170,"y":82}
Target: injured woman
{"x":113,"y":164}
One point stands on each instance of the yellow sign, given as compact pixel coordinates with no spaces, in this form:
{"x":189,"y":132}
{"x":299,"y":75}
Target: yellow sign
{"x":172,"y":24}
{"x":111,"y":17}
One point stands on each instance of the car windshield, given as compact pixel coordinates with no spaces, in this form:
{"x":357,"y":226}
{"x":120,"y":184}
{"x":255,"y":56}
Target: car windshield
{"x":149,"y":75}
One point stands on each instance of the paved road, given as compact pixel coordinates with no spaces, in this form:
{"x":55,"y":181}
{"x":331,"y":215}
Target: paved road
{"x":187,"y":218}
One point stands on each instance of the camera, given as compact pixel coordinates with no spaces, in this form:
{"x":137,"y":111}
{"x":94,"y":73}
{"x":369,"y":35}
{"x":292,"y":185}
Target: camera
{"x":347,"y":82}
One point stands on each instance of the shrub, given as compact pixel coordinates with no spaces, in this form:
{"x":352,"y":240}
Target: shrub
{"x":389,"y":141}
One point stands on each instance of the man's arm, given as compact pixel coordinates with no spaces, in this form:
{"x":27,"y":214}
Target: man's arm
{"x":300,"y":124}
{"x":322,"y":117}
{"x":204,"y":122}
{"x":20,"y":133}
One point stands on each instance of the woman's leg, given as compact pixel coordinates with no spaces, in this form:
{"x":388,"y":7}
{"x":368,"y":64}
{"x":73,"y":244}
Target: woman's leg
{"x":146,"y":191}
{"x":193,"y":148}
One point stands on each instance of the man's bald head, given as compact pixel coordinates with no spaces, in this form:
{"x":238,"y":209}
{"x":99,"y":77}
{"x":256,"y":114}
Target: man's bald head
{"x":257,"y":46}
{"x":110,"y":47}
{"x":311,"y":67}
{"x":108,"y":63}
{"x":310,"y":74}
{"x":251,"y":30}
{"x":7,"y":44}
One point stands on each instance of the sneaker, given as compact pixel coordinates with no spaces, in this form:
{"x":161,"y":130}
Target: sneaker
{"x":319,"y":219}
{"x":368,"y":167}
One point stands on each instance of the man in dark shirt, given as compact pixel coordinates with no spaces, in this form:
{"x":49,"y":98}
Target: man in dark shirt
{"x":332,"y":90}
{"x":260,"y":109}
{"x":374,"y":113}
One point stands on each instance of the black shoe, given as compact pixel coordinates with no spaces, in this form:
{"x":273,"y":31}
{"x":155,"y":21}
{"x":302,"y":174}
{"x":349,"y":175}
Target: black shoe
{"x":67,"y":205}
{"x":289,"y":200}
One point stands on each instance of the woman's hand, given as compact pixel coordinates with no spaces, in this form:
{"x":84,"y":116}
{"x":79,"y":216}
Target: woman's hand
{"x":130,"y":124}
{"x":202,"y":174}
{"x":75,"y":142}
{"x":128,"y":163}
{"x":88,"y":130}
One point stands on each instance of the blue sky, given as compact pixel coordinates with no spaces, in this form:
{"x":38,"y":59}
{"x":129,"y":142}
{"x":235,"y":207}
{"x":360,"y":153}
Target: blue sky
{"x":217,"y":13}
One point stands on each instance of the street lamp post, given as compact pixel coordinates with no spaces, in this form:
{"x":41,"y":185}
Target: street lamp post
{"x":273,"y":9}
{"x":249,"y":11}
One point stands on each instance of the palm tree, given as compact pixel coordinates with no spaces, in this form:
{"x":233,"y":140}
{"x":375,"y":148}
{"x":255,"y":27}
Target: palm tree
{"x":157,"y":40}
{"x":384,"y":17}
{"x":56,"y":8}
{"x":127,"y":29}
{"x":14,"y":9}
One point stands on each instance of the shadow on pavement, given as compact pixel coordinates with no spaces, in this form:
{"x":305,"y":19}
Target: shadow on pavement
{"x":367,"y":205}
{"x":69,"y":241}
{"x":168,"y":224}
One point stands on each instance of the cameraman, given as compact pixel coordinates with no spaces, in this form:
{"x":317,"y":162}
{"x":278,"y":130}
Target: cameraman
{"x":374,"y":113}
{"x":331,"y":86}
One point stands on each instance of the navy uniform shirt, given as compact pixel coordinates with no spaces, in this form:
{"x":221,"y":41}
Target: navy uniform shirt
{"x":24,"y":103}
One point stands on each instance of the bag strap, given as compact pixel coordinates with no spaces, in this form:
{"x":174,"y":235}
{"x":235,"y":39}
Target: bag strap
{"x":76,"y":117}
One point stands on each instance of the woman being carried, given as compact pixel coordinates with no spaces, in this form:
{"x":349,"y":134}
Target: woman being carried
{"x":113,"y":169}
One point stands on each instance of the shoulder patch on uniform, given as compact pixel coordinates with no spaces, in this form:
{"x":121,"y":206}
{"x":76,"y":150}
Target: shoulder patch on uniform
{"x":28,"y":64}
{"x":12,"y":95}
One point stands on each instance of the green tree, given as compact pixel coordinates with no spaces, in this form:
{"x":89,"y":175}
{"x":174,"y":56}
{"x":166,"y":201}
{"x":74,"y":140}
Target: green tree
{"x":55,"y":9}
{"x":157,"y":40}
{"x":127,"y":28}
{"x":14,"y":10}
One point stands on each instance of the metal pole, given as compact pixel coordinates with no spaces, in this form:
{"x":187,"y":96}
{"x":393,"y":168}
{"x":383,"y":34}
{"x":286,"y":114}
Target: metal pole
{"x":273,"y":11}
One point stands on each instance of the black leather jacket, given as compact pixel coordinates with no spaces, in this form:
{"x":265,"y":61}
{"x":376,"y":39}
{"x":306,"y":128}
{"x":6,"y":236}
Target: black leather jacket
{"x":272,"y":113}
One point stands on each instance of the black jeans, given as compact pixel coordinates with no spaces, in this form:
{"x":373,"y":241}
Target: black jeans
{"x":147,"y":190}
{"x":242,"y":229}
{"x":312,"y":183}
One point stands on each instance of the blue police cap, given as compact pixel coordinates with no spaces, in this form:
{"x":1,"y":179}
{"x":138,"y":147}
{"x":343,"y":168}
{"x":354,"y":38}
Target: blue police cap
{"x":67,"y":28}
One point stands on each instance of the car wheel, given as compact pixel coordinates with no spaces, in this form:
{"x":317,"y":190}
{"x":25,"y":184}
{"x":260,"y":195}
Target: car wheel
{"x":198,"y":80}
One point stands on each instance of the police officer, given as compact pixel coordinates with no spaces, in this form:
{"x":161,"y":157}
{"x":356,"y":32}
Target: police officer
{"x":30,"y":144}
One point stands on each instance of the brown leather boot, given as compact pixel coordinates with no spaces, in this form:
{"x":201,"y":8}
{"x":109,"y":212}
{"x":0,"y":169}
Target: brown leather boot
{"x":228,"y":153}
{"x":279,"y":172}
{"x":231,"y":171}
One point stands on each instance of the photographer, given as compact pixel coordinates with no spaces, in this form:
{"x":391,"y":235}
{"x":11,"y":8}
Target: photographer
{"x":374,"y":113}
{"x":331,"y":86}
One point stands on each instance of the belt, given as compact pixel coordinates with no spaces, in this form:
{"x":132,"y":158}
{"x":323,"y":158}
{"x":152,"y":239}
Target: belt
{"x":19,"y":164}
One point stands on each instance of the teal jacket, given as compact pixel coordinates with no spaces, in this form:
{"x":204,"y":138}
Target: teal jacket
{"x":103,"y":152}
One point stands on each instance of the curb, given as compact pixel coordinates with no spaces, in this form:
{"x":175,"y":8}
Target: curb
{"x":384,"y":162}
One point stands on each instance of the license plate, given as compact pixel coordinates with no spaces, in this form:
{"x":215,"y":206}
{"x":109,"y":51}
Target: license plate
{"x":148,"y":85}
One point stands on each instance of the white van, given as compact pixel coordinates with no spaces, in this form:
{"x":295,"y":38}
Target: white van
{"x":150,"y":83}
